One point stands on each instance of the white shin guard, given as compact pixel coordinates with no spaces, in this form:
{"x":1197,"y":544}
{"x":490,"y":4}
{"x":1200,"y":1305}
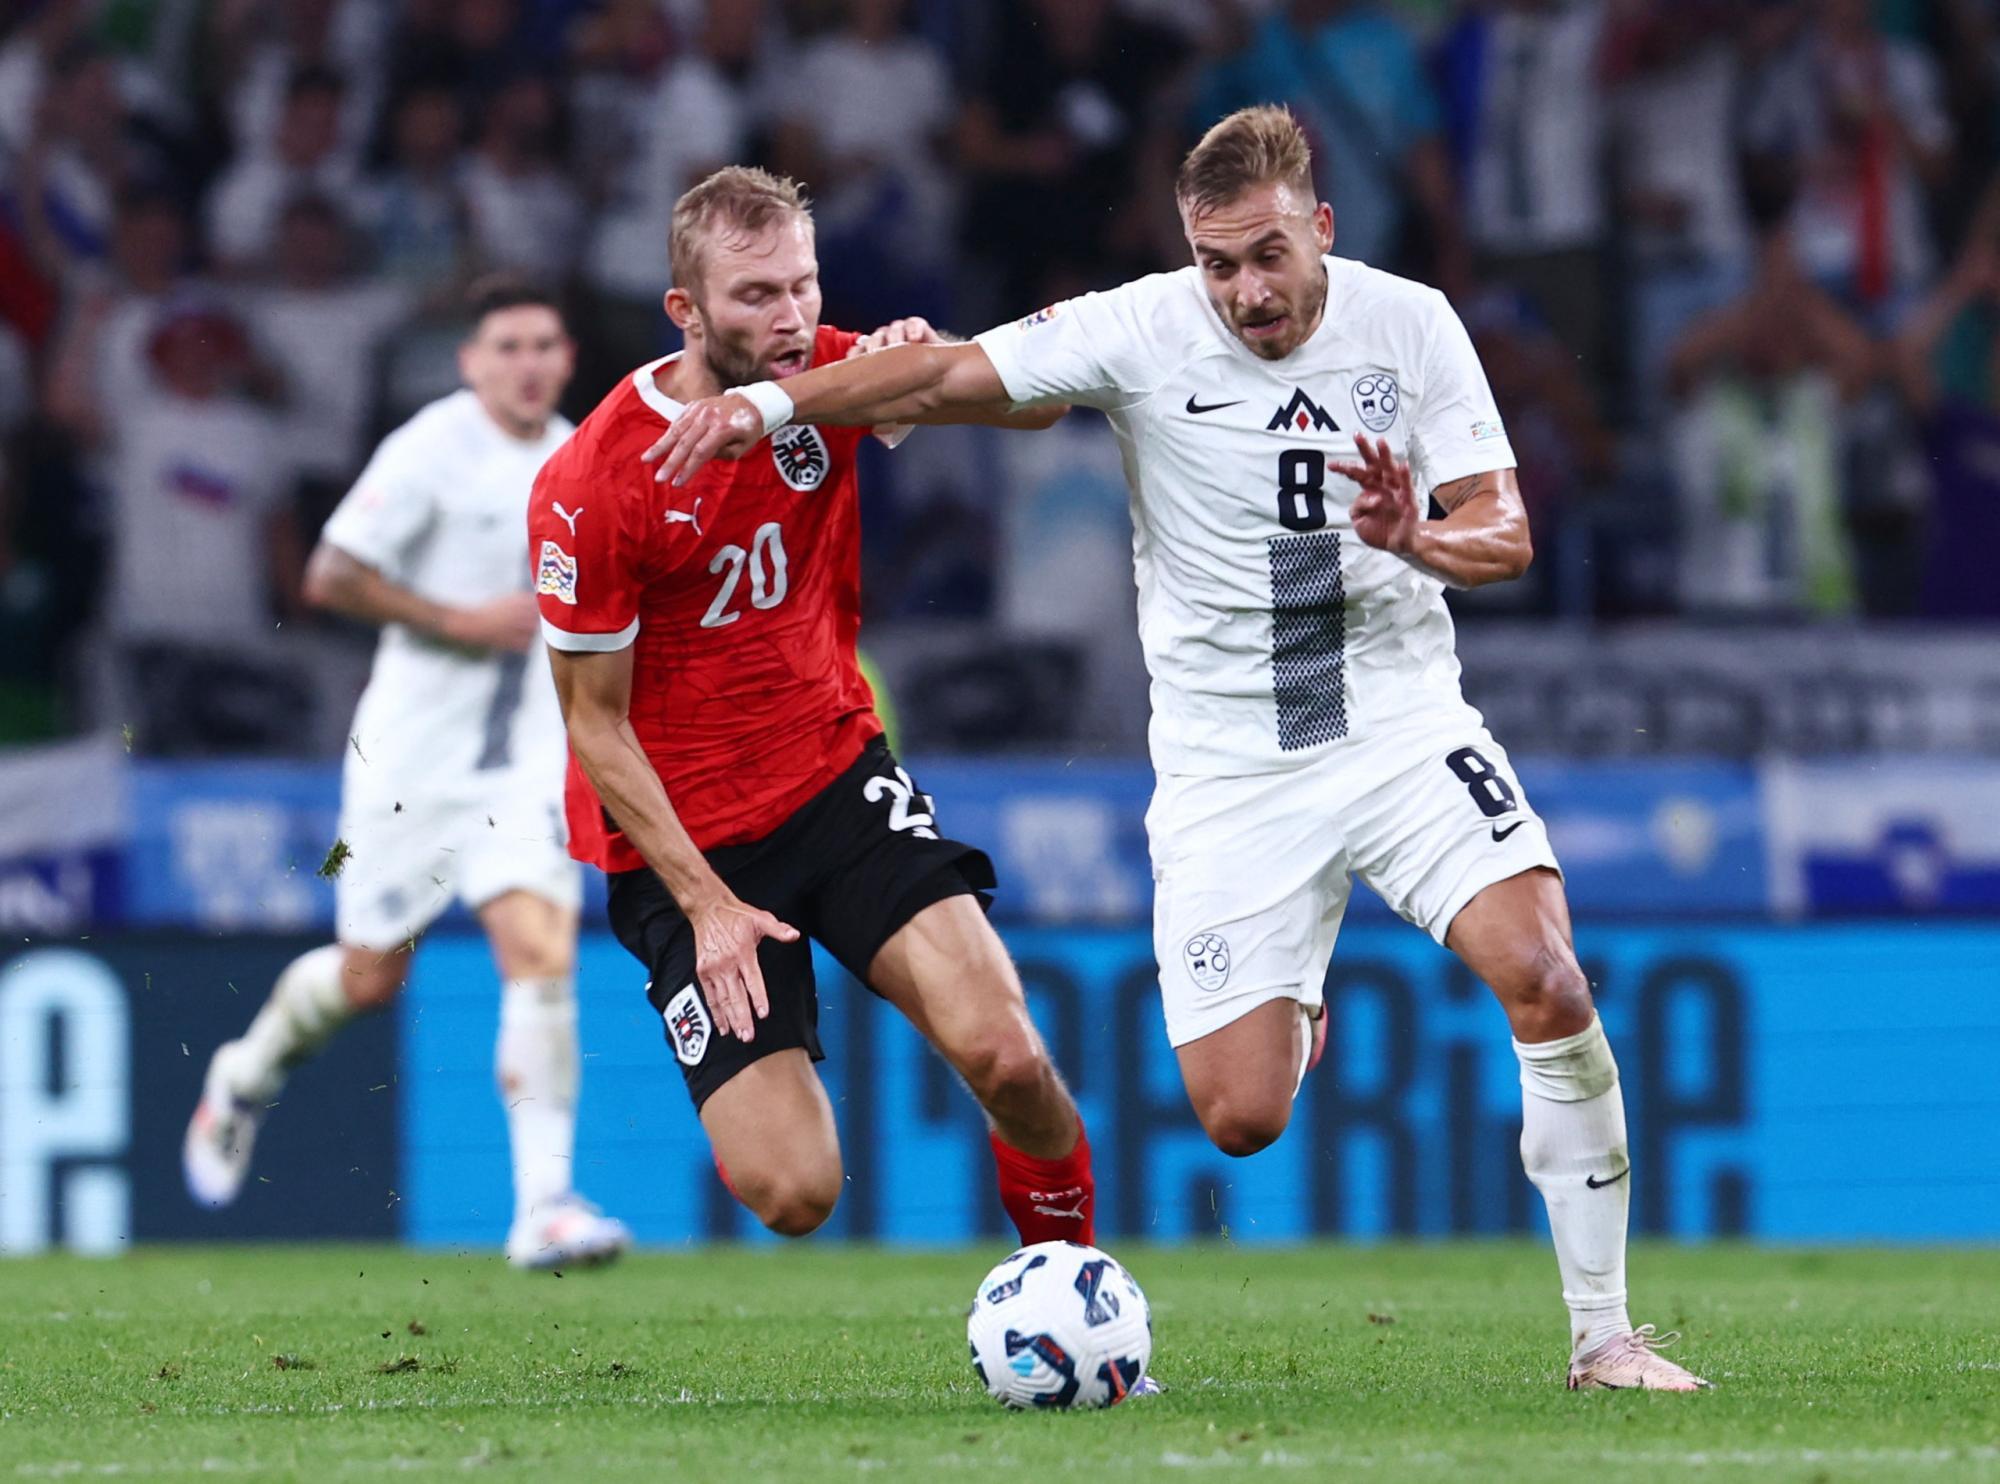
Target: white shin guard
{"x":535,"y":1063}
{"x":1574,"y":1148}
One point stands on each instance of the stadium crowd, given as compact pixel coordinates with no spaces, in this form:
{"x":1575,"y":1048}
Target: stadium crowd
{"x":1733,"y":267}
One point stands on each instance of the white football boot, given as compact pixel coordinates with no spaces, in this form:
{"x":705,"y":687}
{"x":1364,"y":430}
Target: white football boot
{"x":215,"y":1153}
{"x":567,"y":1233}
{"x":1632,"y":1362}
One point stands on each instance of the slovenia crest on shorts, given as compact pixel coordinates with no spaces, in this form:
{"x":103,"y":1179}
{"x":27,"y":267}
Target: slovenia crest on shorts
{"x":688,"y":1026}
{"x":1207,"y":959}
{"x":555,"y":574}
{"x":1376,"y":400}
{"x":801,"y":456}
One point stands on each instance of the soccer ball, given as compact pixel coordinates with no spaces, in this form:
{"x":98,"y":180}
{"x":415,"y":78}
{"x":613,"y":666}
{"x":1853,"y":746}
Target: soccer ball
{"x":1059,"y":1324}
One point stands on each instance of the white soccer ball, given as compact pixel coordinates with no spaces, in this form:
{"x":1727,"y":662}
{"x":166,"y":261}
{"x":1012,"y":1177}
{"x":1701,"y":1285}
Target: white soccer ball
{"x":1059,"y":1324}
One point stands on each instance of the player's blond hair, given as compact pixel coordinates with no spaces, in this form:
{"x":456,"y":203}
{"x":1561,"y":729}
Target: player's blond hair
{"x":1252,"y":147}
{"x":737,"y":198}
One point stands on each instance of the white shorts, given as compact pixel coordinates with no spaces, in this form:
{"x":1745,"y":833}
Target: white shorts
{"x":405,"y":865}
{"x":1251,"y":874}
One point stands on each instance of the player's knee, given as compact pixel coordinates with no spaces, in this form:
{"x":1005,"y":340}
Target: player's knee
{"x":1241,"y":1126}
{"x":1007,"y":1071}
{"x":1550,"y":998}
{"x":797,"y":1206}
{"x":372,"y":981}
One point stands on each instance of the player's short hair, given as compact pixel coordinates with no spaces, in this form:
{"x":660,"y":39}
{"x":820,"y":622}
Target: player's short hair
{"x":1252,"y":147}
{"x":497,"y":291}
{"x":739,"y":198}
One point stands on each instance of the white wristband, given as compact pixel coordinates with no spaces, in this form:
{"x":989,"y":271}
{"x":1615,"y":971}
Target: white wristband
{"x":770,"y":400}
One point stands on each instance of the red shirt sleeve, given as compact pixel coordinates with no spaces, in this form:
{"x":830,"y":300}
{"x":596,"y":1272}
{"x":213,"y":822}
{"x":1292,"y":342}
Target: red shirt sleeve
{"x":587,"y":560}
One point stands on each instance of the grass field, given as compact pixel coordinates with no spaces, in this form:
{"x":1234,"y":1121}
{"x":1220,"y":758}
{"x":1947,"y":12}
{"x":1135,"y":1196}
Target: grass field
{"x":823,"y":1362}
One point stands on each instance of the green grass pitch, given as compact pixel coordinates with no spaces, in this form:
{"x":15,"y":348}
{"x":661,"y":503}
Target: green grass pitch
{"x":818,"y":1361}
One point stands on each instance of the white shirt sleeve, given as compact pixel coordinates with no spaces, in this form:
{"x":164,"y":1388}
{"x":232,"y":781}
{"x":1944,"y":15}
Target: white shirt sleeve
{"x":381,"y":520}
{"x":1093,"y":350}
{"x":1457,"y":430}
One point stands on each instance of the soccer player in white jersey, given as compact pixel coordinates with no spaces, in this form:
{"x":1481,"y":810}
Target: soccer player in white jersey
{"x":453,"y":786}
{"x":1285,"y":415}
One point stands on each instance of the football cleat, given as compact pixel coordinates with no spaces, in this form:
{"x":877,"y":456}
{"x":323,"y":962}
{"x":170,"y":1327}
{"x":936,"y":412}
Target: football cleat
{"x":215,"y":1152}
{"x":1632,"y":1362}
{"x":566,"y":1233}
{"x":1146,"y":1386}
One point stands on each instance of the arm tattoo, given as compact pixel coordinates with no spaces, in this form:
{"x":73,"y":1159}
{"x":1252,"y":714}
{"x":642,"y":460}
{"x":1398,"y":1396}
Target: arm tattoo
{"x":1451,"y":496}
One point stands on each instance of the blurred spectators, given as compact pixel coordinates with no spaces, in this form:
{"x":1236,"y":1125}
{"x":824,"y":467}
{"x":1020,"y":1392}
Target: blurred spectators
{"x":1757,"y":446}
{"x":657,"y":109}
{"x":525,"y":214}
{"x":205,"y":555}
{"x":1949,"y":362}
{"x":261,"y":46}
{"x":1854,"y":120}
{"x":419,"y":235}
{"x":303,"y":157}
{"x":862,"y":114}
{"x":1674,"y":125}
{"x":1525,"y":114}
{"x":1057,"y":114}
{"x":322,"y":329}
{"x":1353,"y":75}
{"x":1699,"y":245}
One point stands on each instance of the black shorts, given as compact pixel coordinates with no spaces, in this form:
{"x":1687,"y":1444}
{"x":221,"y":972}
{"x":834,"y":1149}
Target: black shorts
{"x":856,"y":862}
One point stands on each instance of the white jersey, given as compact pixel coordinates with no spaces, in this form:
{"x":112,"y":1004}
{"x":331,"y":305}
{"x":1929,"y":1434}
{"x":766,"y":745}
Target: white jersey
{"x":1271,"y":631}
{"x":442,"y":509}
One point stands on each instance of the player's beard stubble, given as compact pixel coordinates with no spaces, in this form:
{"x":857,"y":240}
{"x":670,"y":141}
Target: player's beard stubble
{"x":734,"y":362}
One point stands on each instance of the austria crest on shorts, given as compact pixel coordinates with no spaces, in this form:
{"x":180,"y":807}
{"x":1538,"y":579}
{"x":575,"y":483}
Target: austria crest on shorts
{"x":688,"y":1026}
{"x":801,"y":456}
{"x":555,"y":574}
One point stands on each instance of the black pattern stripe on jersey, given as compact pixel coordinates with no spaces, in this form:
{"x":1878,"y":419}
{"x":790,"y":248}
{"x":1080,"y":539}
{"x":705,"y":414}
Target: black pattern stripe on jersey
{"x":1308,"y":639}
{"x":496,"y":747}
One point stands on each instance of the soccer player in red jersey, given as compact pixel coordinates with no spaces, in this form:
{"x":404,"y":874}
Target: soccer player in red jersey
{"x":728,"y":770}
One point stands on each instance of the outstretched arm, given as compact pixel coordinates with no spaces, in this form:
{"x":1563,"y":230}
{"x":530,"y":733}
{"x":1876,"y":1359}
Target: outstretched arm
{"x":916,"y":330}
{"x":1483,"y":537}
{"x":902,"y":384}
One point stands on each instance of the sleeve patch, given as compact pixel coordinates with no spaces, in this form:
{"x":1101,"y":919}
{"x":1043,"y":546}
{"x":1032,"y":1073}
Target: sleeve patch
{"x":1039,"y":317}
{"x":1486,"y":429}
{"x":555,"y":574}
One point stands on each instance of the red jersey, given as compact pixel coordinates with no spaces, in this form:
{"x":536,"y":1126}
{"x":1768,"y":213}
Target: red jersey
{"x":741,"y":591}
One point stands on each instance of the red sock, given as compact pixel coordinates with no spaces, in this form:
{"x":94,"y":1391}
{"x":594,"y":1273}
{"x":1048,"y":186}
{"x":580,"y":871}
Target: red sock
{"x":1050,"y":1200}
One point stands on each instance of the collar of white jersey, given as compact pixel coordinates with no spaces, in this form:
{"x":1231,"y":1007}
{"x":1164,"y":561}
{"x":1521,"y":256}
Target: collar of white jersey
{"x":1337,"y":271}
{"x":649,"y":390}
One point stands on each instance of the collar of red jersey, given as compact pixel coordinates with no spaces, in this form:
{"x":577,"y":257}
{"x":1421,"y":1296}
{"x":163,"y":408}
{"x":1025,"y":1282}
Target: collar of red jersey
{"x":649,"y":389}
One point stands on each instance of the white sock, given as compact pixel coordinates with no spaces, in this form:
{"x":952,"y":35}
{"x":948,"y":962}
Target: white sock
{"x":535,"y":1064}
{"x":306,"y":1006}
{"x":1573,"y":1133}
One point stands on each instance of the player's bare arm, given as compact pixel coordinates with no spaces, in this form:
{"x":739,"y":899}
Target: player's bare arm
{"x":902,"y":384}
{"x":596,"y":693}
{"x":916,"y":330}
{"x":342,"y":583}
{"x":1483,"y":537}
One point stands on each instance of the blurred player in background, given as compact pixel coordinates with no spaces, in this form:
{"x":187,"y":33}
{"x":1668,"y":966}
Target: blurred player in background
{"x":1308,"y":725}
{"x":731,"y":775}
{"x":453,"y":783}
